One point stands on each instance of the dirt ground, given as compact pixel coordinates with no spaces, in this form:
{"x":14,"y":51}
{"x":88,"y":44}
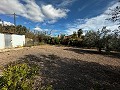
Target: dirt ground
{"x":64,"y":52}
{"x":70,"y":68}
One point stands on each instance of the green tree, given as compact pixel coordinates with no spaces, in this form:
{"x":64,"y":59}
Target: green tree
{"x":79,"y":32}
{"x":98,"y":39}
{"x":74,"y":35}
{"x":115,"y":13}
{"x":90,"y":39}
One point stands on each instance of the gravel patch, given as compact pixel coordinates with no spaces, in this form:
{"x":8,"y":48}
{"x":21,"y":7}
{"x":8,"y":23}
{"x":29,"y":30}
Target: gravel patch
{"x":64,"y":52}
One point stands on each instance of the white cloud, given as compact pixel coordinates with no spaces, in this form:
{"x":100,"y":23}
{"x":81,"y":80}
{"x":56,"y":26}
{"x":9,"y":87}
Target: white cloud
{"x":54,"y":13}
{"x":6,"y":23}
{"x":27,"y":23}
{"x":94,"y":23}
{"x":52,"y":21}
{"x":38,"y":28}
{"x":31,"y":10}
{"x":66,"y":3}
{"x":11,"y":6}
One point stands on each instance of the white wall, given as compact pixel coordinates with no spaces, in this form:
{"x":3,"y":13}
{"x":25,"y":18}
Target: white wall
{"x":18,"y":40}
{"x":2,"y":41}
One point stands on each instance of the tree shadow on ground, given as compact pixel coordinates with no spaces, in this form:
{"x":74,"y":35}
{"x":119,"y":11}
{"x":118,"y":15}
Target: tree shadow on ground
{"x":70,"y":74}
{"x":90,"y":51}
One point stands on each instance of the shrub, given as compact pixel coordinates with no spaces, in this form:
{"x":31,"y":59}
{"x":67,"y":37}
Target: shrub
{"x":21,"y":76}
{"x":17,"y":77}
{"x":57,"y":41}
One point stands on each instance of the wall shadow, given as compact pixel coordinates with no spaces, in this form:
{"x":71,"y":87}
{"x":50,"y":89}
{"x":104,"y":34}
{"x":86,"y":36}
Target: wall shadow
{"x":83,"y":51}
{"x":70,"y":74}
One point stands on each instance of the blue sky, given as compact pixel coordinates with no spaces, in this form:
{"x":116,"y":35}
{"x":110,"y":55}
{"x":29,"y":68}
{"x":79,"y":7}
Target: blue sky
{"x":61,"y":16}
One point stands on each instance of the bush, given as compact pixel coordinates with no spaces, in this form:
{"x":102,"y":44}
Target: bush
{"x":17,"y":77}
{"x":56,"y":40}
{"x":21,"y":75}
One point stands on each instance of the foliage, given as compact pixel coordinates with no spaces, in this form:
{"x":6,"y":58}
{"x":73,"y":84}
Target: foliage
{"x":21,"y":76}
{"x":29,"y":35}
{"x":65,"y":41}
{"x":62,"y":36}
{"x":57,"y":41}
{"x":49,"y":87}
{"x":53,"y":40}
{"x":19,"y":29}
{"x":72,"y":40}
{"x":90,"y":39}
{"x":79,"y":32}
{"x":115,"y":13}
{"x":104,"y":39}
{"x":18,"y":77}
{"x":74,"y":35}
{"x":99,"y":39}
{"x":41,"y":43}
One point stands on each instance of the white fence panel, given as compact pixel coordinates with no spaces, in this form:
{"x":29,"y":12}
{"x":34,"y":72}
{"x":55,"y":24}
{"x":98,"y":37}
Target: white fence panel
{"x":18,"y":40}
{"x":2,"y":41}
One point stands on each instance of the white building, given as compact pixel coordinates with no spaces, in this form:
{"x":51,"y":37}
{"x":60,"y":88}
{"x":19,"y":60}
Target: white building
{"x":11,"y":40}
